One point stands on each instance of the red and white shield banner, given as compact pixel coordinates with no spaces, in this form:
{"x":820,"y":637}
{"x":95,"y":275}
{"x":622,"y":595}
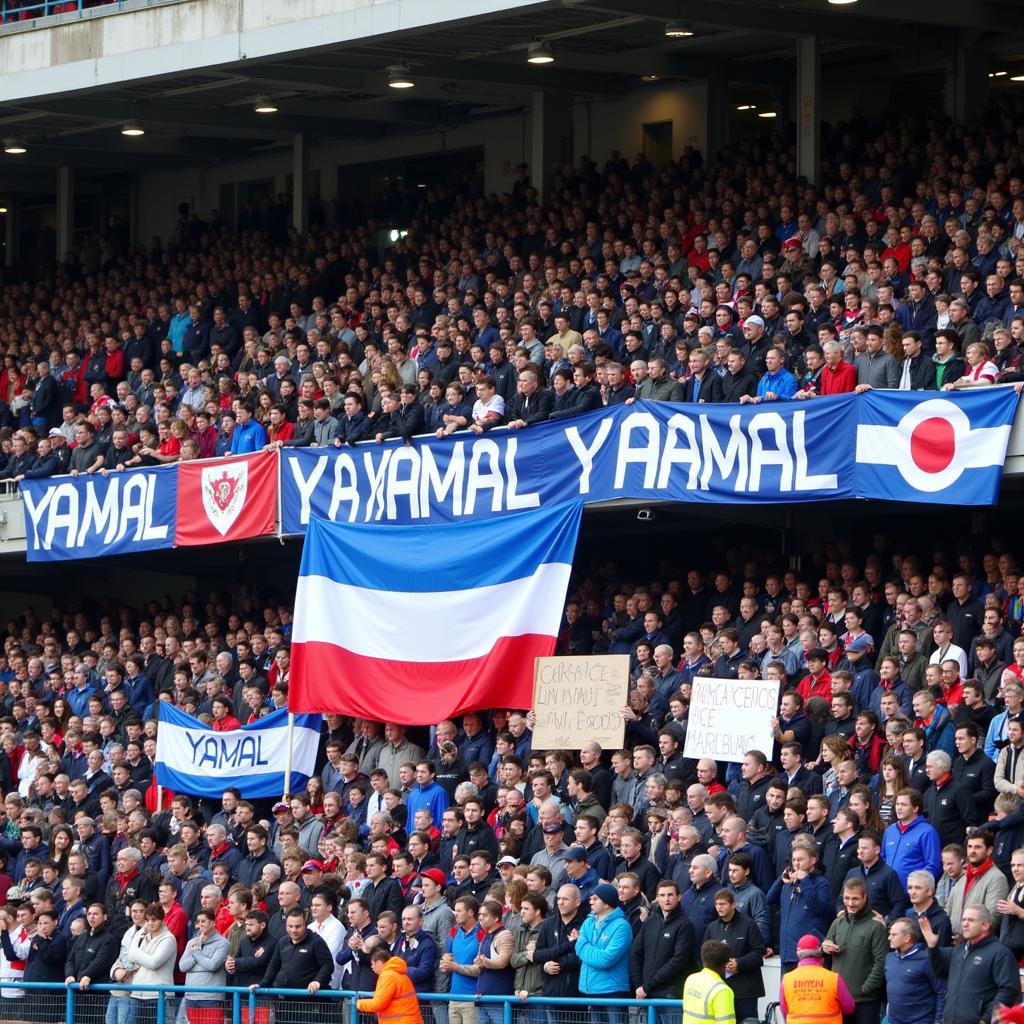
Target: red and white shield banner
{"x":226,"y":499}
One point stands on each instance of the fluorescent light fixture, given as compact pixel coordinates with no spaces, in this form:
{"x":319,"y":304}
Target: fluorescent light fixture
{"x":399,"y":77}
{"x":767,"y":114}
{"x":648,"y":78}
{"x":3,"y":209}
{"x":539,"y":53}
{"x":678,"y":29}
{"x":264,"y":105}
{"x":1017,"y":78}
{"x":747,"y":106}
{"x":133,"y":128}
{"x":15,"y":147}
{"x":841,"y":3}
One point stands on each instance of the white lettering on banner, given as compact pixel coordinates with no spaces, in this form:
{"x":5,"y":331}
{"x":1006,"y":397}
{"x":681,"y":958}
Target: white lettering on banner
{"x":307,"y":485}
{"x":432,"y":483}
{"x":728,"y":717}
{"x":349,"y":492}
{"x":587,"y":453}
{"x":121,"y":510}
{"x":742,"y":459}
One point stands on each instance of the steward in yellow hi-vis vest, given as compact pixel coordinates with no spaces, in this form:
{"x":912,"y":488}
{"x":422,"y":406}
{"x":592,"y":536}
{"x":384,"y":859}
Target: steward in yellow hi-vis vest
{"x":812,"y":994}
{"x":706,"y":997}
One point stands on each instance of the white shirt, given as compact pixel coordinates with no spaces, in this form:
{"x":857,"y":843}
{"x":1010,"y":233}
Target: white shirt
{"x":334,"y":933}
{"x":951,"y":653}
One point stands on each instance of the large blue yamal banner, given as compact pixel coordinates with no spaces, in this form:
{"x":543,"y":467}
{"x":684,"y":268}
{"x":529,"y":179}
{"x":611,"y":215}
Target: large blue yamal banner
{"x":893,"y":445}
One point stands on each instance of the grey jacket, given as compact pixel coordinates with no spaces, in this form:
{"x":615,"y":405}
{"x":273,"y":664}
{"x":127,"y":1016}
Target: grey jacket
{"x":203,"y":964}
{"x":879,"y":370}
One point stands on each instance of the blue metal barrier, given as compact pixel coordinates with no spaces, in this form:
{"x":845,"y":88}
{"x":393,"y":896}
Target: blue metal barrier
{"x":13,"y":12}
{"x":248,"y":998}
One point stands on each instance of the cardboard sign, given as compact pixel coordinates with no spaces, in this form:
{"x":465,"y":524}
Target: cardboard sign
{"x":728,"y":717}
{"x":579,"y":699}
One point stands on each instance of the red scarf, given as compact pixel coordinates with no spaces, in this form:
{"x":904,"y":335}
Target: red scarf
{"x":974,"y":873}
{"x":124,"y":877}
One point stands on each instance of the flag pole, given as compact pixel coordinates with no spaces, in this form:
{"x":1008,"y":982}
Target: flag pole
{"x":288,"y":763}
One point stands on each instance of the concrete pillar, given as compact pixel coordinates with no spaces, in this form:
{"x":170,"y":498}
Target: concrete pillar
{"x":547,"y":120}
{"x":300,"y":183}
{"x":718,"y":116}
{"x":808,"y":109}
{"x":966,"y":91}
{"x":65,"y":210}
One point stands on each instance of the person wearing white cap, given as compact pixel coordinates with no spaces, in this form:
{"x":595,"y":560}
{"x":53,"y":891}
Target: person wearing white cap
{"x":758,"y":343}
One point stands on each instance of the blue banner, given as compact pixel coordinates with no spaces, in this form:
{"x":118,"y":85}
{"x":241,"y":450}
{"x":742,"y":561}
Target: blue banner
{"x":91,"y":516}
{"x":944,"y":448}
{"x":823,"y":449}
{"x":193,"y":758}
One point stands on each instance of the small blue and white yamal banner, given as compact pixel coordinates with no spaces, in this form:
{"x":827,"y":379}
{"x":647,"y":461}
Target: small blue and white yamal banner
{"x":191,"y":758}
{"x":937,"y":450}
{"x":89,"y":516}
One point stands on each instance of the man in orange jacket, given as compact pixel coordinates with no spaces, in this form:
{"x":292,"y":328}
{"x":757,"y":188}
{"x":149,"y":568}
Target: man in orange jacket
{"x":394,"y":998}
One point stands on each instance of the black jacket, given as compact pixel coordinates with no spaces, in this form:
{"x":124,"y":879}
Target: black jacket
{"x":93,"y":954}
{"x":977,"y":776}
{"x":384,"y":895}
{"x":553,"y":943}
{"x":736,"y":385}
{"x":949,"y":810}
{"x":251,"y":866}
{"x":580,"y":400}
{"x":297,"y":964}
{"x":648,"y":874}
{"x":533,"y":408}
{"x":118,"y":901}
{"x":922,"y":372}
{"x":662,"y":954}
{"x":710,"y":388}
{"x":251,"y":961}
{"x":747,"y":947}
{"x":978,"y":983}
{"x":46,"y":957}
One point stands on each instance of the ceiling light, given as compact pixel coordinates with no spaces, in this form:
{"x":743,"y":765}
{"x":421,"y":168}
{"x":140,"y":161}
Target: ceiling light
{"x":3,"y":209}
{"x":399,"y":77}
{"x":1000,"y":74}
{"x":15,"y":146}
{"x":747,"y":106}
{"x":648,"y":78}
{"x":678,"y":29}
{"x":841,"y":3}
{"x":1017,"y":78}
{"x":264,"y":105}
{"x":133,"y":128}
{"x":539,"y":53}
{"x":767,"y":113}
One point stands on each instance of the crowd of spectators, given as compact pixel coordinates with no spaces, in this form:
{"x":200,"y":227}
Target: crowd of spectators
{"x":734,"y":282}
{"x":885,"y":821}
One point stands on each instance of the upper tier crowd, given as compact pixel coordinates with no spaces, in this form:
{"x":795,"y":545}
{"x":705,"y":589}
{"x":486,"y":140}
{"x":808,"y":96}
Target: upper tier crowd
{"x":902,"y":268}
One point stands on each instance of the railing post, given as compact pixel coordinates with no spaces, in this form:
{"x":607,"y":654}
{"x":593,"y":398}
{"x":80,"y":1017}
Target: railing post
{"x":161,"y":1009}
{"x":651,"y":1015}
{"x":252,"y":1006}
{"x":69,"y":1005}
{"x":506,"y":1010}
{"x":236,"y":1008}
{"x":353,"y":1013}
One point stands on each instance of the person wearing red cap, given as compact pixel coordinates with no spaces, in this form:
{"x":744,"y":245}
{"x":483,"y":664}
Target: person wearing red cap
{"x":811,"y":994}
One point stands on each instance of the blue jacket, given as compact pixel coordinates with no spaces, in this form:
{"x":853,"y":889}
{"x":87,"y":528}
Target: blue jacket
{"x":916,"y":995}
{"x":247,"y":437}
{"x":912,"y":849}
{"x":434,"y":797}
{"x":603,"y":949}
{"x":939,"y":735}
{"x":699,"y":906}
{"x":78,"y":700}
{"x":782,"y":384}
{"x":804,"y":908}
{"x":420,"y":961}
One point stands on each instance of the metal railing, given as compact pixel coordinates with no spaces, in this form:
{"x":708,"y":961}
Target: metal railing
{"x":53,"y":1003}
{"x":14,"y":11}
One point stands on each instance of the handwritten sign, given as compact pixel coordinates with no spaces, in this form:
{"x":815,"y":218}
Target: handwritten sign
{"x":579,"y":699}
{"x":728,"y":717}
